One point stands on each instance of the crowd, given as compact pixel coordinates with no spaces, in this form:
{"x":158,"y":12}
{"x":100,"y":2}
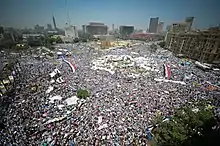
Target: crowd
{"x":118,"y":110}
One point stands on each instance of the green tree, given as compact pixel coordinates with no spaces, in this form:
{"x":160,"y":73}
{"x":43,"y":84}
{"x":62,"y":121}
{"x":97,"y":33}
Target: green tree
{"x":82,"y":94}
{"x":59,"y":40}
{"x":189,"y":126}
{"x":7,"y":43}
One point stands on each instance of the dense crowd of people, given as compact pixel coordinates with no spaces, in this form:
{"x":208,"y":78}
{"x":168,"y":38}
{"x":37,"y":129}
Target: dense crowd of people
{"x":119,"y":108}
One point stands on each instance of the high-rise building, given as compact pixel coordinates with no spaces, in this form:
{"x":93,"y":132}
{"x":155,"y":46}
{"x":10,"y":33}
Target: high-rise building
{"x":113,"y":27}
{"x":49,"y":27}
{"x":153,"y":25}
{"x":54,"y":23}
{"x":96,"y":28}
{"x":189,"y":21}
{"x":1,"y":30}
{"x":84,"y":29}
{"x":126,"y":30}
{"x":160,"y":27}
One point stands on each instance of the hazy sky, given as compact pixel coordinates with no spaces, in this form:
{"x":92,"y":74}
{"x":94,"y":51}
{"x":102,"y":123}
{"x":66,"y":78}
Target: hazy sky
{"x":27,"y":13}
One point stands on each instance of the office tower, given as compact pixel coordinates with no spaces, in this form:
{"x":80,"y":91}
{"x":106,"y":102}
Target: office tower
{"x":54,"y":23}
{"x":126,"y":30}
{"x":1,"y":30}
{"x":113,"y":27}
{"x":84,"y":29}
{"x":189,"y":21}
{"x":160,"y":27}
{"x":153,"y":25}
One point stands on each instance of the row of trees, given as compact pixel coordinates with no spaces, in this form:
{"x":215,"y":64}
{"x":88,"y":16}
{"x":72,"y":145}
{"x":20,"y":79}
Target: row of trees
{"x":9,"y":42}
{"x":44,"y":41}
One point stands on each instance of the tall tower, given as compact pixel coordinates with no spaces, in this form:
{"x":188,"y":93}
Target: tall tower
{"x":153,"y":25}
{"x":54,"y":23}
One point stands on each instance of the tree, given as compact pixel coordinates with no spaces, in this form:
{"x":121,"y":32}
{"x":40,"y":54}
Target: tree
{"x":189,"y":126}
{"x":76,"y":40}
{"x":82,"y":94}
{"x":7,"y":43}
{"x":59,"y":40}
{"x":162,"y":44}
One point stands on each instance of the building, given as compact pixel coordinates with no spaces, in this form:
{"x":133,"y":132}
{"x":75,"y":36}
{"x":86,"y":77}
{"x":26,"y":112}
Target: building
{"x":71,"y":33}
{"x":168,"y":28}
{"x":160,"y":27}
{"x":178,"y":27}
{"x":153,"y":25}
{"x":84,"y":29}
{"x":96,"y":24}
{"x":202,"y":46}
{"x":52,"y":32}
{"x":49,"y":27}
{"x":126,"y":30}
{"x":1,"y":32}
{"x":54,"y":23}
{"x":189,"y":21}
{"x":96,"y":29}
{"x":39,"y":29}
{"x":33,"y":37}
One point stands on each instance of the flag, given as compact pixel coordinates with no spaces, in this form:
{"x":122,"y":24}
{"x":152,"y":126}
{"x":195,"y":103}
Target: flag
{"x":72,"y":143}
{"x":149,"y":135}
{"x":167,"y":71}
{"x":71,"y":64}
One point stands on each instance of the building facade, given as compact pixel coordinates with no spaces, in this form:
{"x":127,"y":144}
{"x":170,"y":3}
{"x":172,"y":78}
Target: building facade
{"x":202,"y":46}
{"x":96,"y":29}
{"x":178,"y":27}
{"x":126,"y":30}
{"x":49,"y":27}
{"x":71,"y":33}
{"x":160,"y":27}
{"x":84,"y":29}
{"x":153,"y":25}
{"x":39,"y":29}
{"x":1,"y":32}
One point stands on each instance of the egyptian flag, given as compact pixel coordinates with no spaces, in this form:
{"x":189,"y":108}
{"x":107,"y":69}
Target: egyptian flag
{"x":167,"y":71}
{"x":71,"y":64}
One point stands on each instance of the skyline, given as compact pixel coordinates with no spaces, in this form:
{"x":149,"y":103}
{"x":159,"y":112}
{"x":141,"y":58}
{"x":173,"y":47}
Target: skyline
{"x":28,"y":13}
